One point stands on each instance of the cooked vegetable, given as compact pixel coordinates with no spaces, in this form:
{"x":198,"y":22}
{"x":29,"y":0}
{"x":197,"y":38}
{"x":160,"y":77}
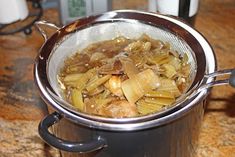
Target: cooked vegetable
{"x":114,"y":85}
{"x":160,"y":57}
{"x":81,"y":82}
{"x":175,"y":62}
{"x":134,"y":88}
{"x":134,"y":46}
{"x":169,"y":85}
{"x":72,"y":77}
{"x":97,"y":56}
{"x":97,"y":83}
{"x":159,"y":101}
{"x":125,"y":77}
{"x":77,"y":99}
{"x":159,"y":94}
{"x":170,"y":70}
{"x":129,"y":68}
{"x":144,"y":107}
{"x":121,"y":109}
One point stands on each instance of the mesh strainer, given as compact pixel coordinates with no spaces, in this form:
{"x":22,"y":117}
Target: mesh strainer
{"x":131,"y":24}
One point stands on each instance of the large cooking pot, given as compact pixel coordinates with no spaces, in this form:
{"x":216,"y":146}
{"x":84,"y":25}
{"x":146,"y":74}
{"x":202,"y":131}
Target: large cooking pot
{"x":169,"y":133}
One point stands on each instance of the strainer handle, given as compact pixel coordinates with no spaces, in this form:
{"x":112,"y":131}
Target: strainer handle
{"x":38,"y":25}
{"x":230,"y":80}
{"x":82,"y":147}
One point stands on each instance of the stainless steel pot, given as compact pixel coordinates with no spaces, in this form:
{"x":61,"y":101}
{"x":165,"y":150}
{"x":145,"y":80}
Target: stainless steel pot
{"x":170,"y":133}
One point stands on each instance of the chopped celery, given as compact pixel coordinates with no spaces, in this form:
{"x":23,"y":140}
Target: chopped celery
{"x":72,"y":77}
{"x":169,"y":70}
{"x":77,"y":99}
{"x":159,"y":94}
{"x":97,"y":82}
{"x":134,"y":88}
{"x":169,"y":85}
{"x":147,"y":108}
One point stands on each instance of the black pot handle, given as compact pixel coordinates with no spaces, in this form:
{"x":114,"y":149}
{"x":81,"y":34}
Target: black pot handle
{"x":81,"y":147}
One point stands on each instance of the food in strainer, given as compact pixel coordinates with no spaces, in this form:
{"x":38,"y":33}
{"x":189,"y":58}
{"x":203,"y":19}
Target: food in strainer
{"x":124,"y":77}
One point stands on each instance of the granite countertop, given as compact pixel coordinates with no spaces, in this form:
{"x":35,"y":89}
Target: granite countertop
{"x":21,"y":108}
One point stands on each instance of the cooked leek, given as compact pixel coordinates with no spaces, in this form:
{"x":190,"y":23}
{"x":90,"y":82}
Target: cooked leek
{"x":81,"y":82}
{"x":72,"y":77}
{"x":158,"y":58}
{"x":97,"y":82}
{"x":105,"y":94}
{"x":160,"y":101}
{"x":77,"y":99}
{"x":129,"y":68}
{"x":134,"y":46}
{"x":116,"y":77}
{"x":175,"y":62}
{"x":169,"y":70}
{"x":134,"y":88}
{"x":159,"y":94}
{"x":169,"y":85}
{"x":138,"y":59}
{"x":147,"y":108}
{"x":96,"y":91}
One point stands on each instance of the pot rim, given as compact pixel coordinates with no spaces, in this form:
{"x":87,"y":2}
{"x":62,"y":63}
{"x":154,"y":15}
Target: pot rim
{"x":124,"y":124}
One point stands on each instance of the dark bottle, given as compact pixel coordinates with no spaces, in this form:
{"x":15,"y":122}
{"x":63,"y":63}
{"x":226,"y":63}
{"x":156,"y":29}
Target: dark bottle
{"x":186,"y":9}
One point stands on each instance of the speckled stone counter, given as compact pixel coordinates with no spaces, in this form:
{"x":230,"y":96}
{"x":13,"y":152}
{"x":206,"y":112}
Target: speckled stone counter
{"x":21,"y":108}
